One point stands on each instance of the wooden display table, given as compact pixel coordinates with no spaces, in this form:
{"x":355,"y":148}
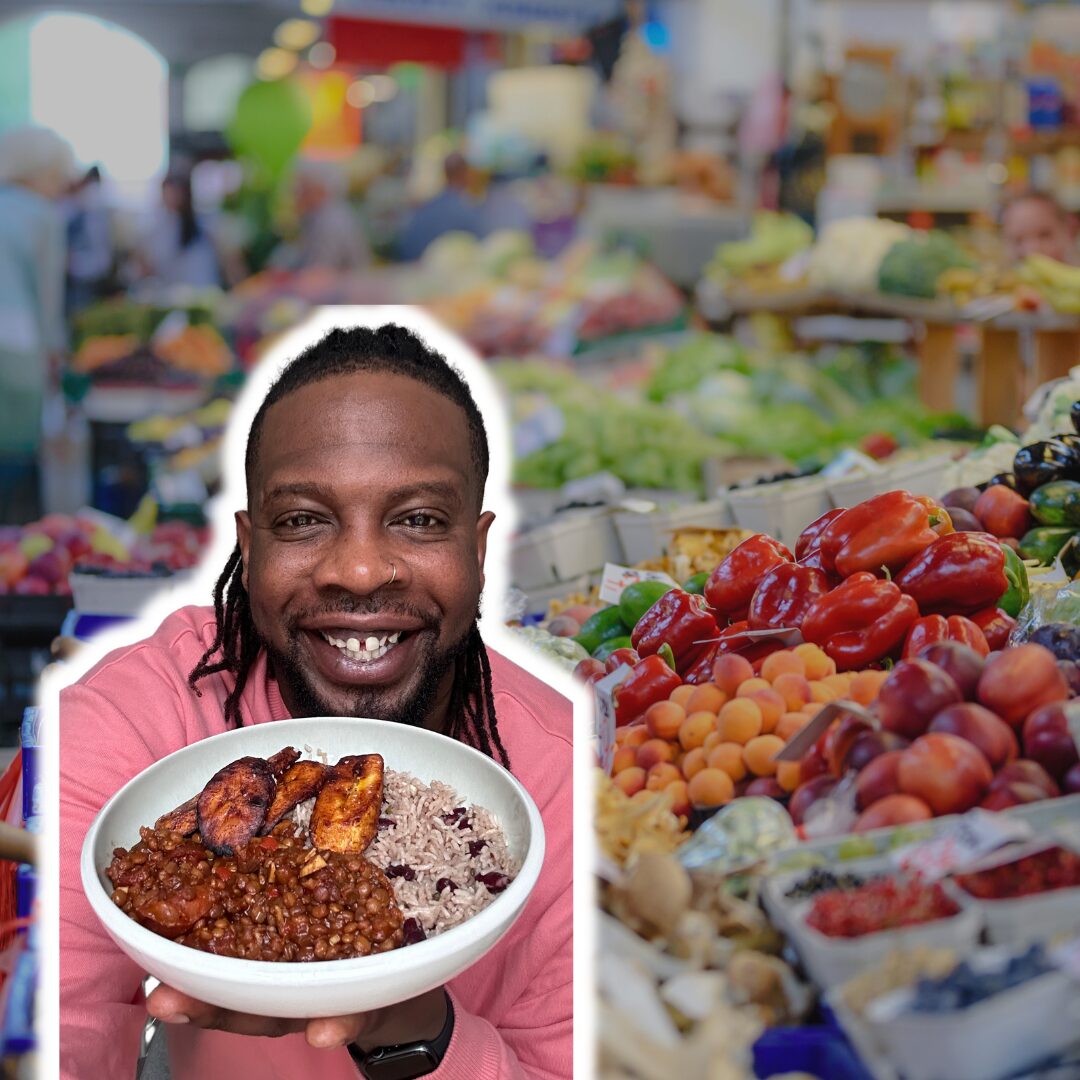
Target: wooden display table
{"x":1003,"y":379}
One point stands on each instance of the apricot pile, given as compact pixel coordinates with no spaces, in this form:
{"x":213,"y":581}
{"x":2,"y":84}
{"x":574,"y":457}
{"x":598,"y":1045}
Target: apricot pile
{"x":710,"y":743}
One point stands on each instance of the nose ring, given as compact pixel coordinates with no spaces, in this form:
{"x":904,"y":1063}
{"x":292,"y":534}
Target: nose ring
{"x":393,"y":577}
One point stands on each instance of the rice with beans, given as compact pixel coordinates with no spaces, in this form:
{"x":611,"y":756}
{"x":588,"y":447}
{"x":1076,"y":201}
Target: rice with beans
{"x":446,"y":861}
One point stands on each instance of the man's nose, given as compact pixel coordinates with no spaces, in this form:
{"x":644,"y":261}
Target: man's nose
{"x":359,"y":560}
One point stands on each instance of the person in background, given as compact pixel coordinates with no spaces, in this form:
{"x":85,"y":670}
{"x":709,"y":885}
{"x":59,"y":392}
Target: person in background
{"x":331,"y":235}
{"x":503,"y":207}
{"x":452,"y":210}
{"x":89,"y":242}
{"x":36,"y":169}
{"x":1036,"y":223}
{"x":178,"y":247}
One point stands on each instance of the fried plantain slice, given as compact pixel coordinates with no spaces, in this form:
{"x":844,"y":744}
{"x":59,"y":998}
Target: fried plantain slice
{"x":303,"y":781}
{"x":281,"y":761}
{"x":232,"y":807}
{"x":346,"y":813}
{"x":183,"y":820}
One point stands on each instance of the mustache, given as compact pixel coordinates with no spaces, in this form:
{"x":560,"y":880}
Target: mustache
{"x":366,"y":605}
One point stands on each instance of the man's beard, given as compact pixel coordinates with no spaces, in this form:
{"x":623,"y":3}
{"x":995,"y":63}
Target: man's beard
{"x":377,"y":702}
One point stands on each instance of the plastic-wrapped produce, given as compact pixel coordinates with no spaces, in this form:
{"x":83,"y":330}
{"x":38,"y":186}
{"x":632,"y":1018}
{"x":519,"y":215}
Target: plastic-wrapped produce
{"x":738,"y":835}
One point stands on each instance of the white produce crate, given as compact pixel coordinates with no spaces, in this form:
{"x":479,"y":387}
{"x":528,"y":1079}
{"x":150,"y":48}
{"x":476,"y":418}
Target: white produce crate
{"x":831,"y":962}
{"x":575,"y":544}
{"x":993,"y":1039}
{"x":922,"y":477}
{"x":538,"y":599}
{"x":1027,"y":919}
{"x":647,"y":535}
{"x":782,"y":509}
{"x":97,"y":594}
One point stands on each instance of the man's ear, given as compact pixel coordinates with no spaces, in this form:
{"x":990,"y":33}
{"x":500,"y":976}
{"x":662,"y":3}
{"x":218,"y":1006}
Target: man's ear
{"x":243,"y":538}
{"x":483,"y":524}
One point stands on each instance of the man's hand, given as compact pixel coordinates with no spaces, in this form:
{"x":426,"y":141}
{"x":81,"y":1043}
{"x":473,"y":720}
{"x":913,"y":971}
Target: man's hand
{"x":410,"y":1021}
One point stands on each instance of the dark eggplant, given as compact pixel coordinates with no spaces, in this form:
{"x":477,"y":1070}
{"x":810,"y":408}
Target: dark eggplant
{"x":1043,"y":462}
{"x":1005,"y":478}
{"x":1062,"y":639}
{"x":1074,"y":415}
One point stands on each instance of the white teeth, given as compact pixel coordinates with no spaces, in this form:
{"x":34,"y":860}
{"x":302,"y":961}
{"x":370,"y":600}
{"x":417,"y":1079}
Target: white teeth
{"x":371,"y":648}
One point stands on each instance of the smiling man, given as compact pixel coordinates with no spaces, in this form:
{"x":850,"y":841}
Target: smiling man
{"x":354,"y":590}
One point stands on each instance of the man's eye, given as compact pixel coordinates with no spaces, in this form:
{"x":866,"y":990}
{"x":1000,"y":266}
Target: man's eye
{"x":299,"y":521}
{"x":422,"y":521}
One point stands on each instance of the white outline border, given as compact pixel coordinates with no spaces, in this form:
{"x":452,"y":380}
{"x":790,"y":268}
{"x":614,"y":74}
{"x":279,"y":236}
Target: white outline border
{"x":199,"y":590}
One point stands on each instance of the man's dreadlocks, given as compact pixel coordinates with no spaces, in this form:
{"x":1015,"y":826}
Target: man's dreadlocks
{"x":236,"y":643}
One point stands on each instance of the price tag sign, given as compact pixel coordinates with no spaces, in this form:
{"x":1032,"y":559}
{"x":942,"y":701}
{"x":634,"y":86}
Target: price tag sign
{"x":616,"y":578}
{"x":961,"y":844}
{"x":604,"y":729}
{"x":799,"y":743}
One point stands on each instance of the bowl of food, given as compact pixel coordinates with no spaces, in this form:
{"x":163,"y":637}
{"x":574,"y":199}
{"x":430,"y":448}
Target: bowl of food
{"x":313,"y":867}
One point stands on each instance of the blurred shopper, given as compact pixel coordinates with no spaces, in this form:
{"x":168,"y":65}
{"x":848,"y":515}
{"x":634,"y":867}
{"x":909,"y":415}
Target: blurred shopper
{"x":36,"y":169}
{"x":1036,"y":223}
{"x":452,"y":210}
{"x":331,"y":234}
{"x":178,"y":246}
{"x":503,"y":207}
{"x":89,"y":242}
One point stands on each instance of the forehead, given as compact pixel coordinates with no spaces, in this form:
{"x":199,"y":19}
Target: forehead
{"x":373,"y":423}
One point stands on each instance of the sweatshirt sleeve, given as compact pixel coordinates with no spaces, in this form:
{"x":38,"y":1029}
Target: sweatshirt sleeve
{"x":103,"y":745}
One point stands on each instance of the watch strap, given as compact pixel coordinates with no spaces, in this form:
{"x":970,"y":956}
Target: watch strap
{"x":406,"y":1061}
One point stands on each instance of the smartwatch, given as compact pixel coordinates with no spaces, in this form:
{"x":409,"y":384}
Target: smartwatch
{"x":408,"y":1060}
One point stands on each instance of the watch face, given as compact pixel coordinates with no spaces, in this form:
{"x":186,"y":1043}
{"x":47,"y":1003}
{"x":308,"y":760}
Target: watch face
{"x":401,"y":1063}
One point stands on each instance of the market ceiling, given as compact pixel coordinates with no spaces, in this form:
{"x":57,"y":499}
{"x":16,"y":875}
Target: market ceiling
{"x":184,"y":31}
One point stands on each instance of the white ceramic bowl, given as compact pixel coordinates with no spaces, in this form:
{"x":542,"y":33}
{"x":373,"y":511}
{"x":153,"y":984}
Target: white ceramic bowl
{"x":332,"y":987}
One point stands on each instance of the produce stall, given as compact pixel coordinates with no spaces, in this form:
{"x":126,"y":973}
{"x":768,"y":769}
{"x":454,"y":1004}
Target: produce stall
{"x":871,"y":269}
{"x":838,"y":801}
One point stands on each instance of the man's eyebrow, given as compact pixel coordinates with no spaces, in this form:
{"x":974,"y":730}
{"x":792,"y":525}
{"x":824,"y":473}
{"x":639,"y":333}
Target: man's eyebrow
{"x":305,"y":489}
{"x":439,"y":489}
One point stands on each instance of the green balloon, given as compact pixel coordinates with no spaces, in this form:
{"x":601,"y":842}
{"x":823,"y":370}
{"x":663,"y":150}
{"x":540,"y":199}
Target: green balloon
{"x":271,"y":121}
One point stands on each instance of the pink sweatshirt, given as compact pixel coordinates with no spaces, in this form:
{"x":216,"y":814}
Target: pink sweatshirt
{"x":514,"y":1008}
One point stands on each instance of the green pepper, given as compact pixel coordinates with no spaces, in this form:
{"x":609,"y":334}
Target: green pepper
{"x":1057,"y":503}
{"x":696,"y":584}
{"x":601,"y":626}
{"x":1044,"y":543}
{"x":1019,"y":592}
{"x":636,"y":599}
{"x":606,"y":648}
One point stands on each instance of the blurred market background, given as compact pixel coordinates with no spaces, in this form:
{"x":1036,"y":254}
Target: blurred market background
{"x":734,"y":264}
{"x":701,"y":246}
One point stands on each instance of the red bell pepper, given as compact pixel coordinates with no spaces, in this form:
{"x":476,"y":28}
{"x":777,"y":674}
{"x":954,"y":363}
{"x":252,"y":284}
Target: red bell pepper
{"x":934,"y":628}
{"x":731,"y":585}
{"x":650,"y":681}
{"x":785,"y":595}
{"x":860,"y":621}
{"x":956,"y":575}
{"x":620,"y":657}
{"x":810,"y":538}
{"x":679,"y":619}
{"x":701,"y":669}
{"x":996,"y":625}
{"x":886,"y":531}
{"x":733,"y":639}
